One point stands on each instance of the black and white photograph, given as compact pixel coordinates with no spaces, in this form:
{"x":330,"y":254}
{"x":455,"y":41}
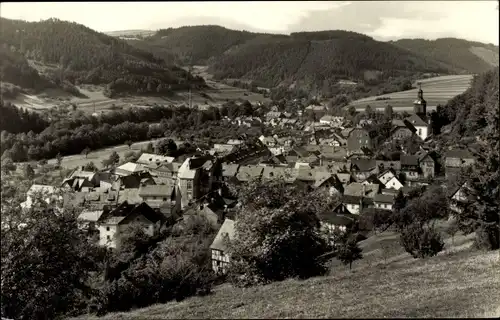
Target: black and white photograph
{"x":249,"y":160}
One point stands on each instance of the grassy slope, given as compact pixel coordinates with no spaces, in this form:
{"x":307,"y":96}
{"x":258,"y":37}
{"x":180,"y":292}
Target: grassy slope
{"x":459,"y":282}
{"x":437,"y":90}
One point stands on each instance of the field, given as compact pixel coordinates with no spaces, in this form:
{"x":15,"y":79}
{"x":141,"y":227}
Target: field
{"x":437,"y":90}
{"x":459,"y":282}
{"x":93,"y":99}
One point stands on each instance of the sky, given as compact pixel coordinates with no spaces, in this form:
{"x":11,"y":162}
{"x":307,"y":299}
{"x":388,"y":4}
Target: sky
{"x":384,"y":20}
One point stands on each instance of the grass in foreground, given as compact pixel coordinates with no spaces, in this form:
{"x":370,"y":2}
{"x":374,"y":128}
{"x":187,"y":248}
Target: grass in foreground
{"x":459,"y":282}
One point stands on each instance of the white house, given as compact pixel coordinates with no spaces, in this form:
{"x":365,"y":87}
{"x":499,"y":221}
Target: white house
{"x":47,"y":193}
{"x":129,"y":168}
{"x":422,"y":127}
{"x":393,"y":183}
{"x":112,"y":223}
{"x":153,"y":159}
{"x":220,"y":256}
{"x":383,"y":201}
{"x":389,"y":179}
{"x":460,"y":198}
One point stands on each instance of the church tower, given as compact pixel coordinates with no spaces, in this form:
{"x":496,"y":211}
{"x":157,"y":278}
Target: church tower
{"x":420,"y":105}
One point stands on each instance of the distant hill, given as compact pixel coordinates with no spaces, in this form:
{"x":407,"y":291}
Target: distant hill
{"x":196,"y":44}
{"x":305,"y":59}
{"x":86,"y":56}
{"x":316,"y":59}
{"x":463,"y":55}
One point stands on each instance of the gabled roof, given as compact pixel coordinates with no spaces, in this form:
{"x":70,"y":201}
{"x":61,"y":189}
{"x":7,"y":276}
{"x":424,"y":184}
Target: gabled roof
{"x":129,"y":168}
{"x":364,"y":164}
{"x":408,"y":160}
{"x":416,"y":121}
{"x":344,"y":177}
{"x":149,"y":158}
{"x":275,"y":173}
{"x":89,"y":215}
{"x":227,"y":229}
{"x":356,"y":189}
{"x":383,"y":198}
{"x":246,"y":173}
{"x":156,"y":191}
{"x":229,"y":170}
{"x":321,"y":177}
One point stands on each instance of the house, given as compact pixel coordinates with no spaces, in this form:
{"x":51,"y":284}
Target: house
{"x":362,"y":168}
{"x":223,"y":149}
{"x":345,"y":178}
{"x":198,"y":176}
{"x":229,"y":171}
{"x":87,"y":220}
{"x":410,"y":167}
{"x":459,"y":198}
{"x":401,"y":130}
{"x":113,"y":222}
{"x":277,"y":173}
{"x":356,"y":204}
{"x":220,"y":256}
{"x":390,"y":180}
{"x":166,"y":170}
{"x":202,"y":210}
{"x":249,"y":172}
{"x":362,"y":190}
{"x":360,"y":138}
{"x":319,"y":111}
{"x":273,"y":115}
{"x":148,"y":159}
{"x":339,"y":220}
{"x":456,"y":159}
{"x":422,"y":128}
{"x":328,"y":180}
{"x":268,"y":141}
{"x":384,"y":164}
{"x":46,"y":193}
{"x":155,"y":195}
{"x":427,"y":164}
{"x":82,"y":180}
{"x":383,"y":201}
{"x":129,"y":168}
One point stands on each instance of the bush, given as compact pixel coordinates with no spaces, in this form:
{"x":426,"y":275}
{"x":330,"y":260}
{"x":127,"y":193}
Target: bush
{"x":348,"y":251}
{"x":277,"y":235}
{"x":421,"y":242}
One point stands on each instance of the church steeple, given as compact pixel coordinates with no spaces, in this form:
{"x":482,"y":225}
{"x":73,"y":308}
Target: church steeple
{"x":420,"y":105}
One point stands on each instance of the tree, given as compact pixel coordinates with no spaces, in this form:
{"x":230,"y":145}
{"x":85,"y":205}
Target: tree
{"x":421,"y":241}
{"x":400,"y":201}
{"x":277,"y":235}
{"x":31,"y":287}
{"x":8,"y":165}
{"x":90,"y":166}
{"x":129,"y":143}
{"x":166,"y":147}
{"x":29,"y":172}
{"x":114,"y":158}
{"x":59,"y":160}
{"x":388,"y":112}
{"x":86,"y":152}
{"x":369,"y":111}
{"x":348,"y":251}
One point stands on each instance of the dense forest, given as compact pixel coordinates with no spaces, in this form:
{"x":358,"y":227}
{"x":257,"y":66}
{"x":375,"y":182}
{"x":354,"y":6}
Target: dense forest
{"x":15,"y":120}
{"x":199,"y":43}
{"x":83,"y":55}
{"x":467,"y":115}
{"x":72,"y":136}
{"x":462,"y":55}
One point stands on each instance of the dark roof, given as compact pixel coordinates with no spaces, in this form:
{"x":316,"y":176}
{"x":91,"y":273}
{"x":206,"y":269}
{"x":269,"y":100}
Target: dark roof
{"x":356,"y":200}
{"x":383,"y":198}
{"x":156,"y":190}
{"x":416,"y":121}
{"x":408,"y":160}
{"x":364,"y":164}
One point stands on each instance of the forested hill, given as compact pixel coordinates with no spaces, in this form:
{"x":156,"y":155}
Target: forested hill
{"x":468,"y":56}
{"x":316,"y":59}
{"x":87,"y":56}
{"x":472,"y":114}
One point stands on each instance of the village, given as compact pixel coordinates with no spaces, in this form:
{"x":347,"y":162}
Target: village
{"x":332,"y":153}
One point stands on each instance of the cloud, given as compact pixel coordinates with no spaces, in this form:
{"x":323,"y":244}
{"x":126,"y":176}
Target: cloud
{"x":473,"y":20}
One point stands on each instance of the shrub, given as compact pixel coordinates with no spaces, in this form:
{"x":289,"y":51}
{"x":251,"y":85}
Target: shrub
{"x":348,"y":251}
{"x":421,"y":242}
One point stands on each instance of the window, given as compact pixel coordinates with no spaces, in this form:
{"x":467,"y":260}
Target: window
{"x":108,"y":237}
{"x":189,"y":185}
{"x":164,"y":199}
{"x":107,"y":229}
{"x":419,"y":131}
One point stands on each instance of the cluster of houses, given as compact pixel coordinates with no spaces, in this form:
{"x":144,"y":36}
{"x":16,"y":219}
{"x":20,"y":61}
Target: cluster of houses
{"x":157,"y":190}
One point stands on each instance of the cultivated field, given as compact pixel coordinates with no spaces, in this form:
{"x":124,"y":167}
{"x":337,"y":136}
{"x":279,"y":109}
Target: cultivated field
{"x":437,"y":90}
{"x":459,"y":282}
{"x":94,"y":100}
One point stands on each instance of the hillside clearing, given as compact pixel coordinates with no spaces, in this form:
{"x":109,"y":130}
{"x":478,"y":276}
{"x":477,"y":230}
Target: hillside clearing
{"x":437,"y":90}
{"x":459,"y":282}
